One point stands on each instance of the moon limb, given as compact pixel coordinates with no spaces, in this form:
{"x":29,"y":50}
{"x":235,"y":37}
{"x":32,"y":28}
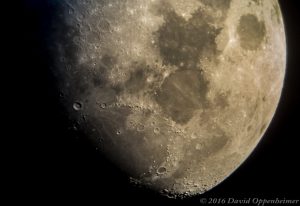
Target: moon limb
{"x":127,"y":56}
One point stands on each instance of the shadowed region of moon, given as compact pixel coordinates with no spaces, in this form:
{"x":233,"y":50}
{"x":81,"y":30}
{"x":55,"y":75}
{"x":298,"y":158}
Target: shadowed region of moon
{"x":176,"y":93}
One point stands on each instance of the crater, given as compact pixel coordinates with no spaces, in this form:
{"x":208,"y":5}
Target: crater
{"x":251,"y":32}
{"x":108,"y":61}
{"x":249,"y":128}
{"x":161,"y":170}
{"x":181,"y":94}
{"x":221,"y":100}
{"x":77,"y":106}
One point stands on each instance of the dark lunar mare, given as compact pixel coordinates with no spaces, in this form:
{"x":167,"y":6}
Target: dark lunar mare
{"x":182,"y":43}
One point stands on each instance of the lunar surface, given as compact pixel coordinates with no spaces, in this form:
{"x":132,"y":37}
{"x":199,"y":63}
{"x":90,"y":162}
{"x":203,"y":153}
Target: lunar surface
{"x":176,"y":93}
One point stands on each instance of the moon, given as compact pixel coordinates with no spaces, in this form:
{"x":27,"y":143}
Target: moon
{"x":176,"y":93}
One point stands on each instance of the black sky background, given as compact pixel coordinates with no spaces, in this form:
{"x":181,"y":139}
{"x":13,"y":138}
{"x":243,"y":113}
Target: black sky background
{"x":53,"y":163}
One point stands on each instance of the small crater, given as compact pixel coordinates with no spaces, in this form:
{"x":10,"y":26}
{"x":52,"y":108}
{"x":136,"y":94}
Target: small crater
{"x":75,"y":127}
{"x":103,"y":24}
{"x":103,"y":105}
{"x":198,"y":146}
{"x":249,"y":128}
{"x":140,"y":128}
{"x":161,"y":170}
{"x":251,"y":32}
{"x":99,"y":139}
{"x":165,"y":191}
{"x":77,"y":106}
{"x":222,"y":100}
{"x":61,"y":94}
{"x":156,"y":130}
{"x":109,"y":61}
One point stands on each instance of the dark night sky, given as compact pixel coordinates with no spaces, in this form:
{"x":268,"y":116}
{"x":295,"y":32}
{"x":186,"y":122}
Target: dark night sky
{"x":50,"y":163}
